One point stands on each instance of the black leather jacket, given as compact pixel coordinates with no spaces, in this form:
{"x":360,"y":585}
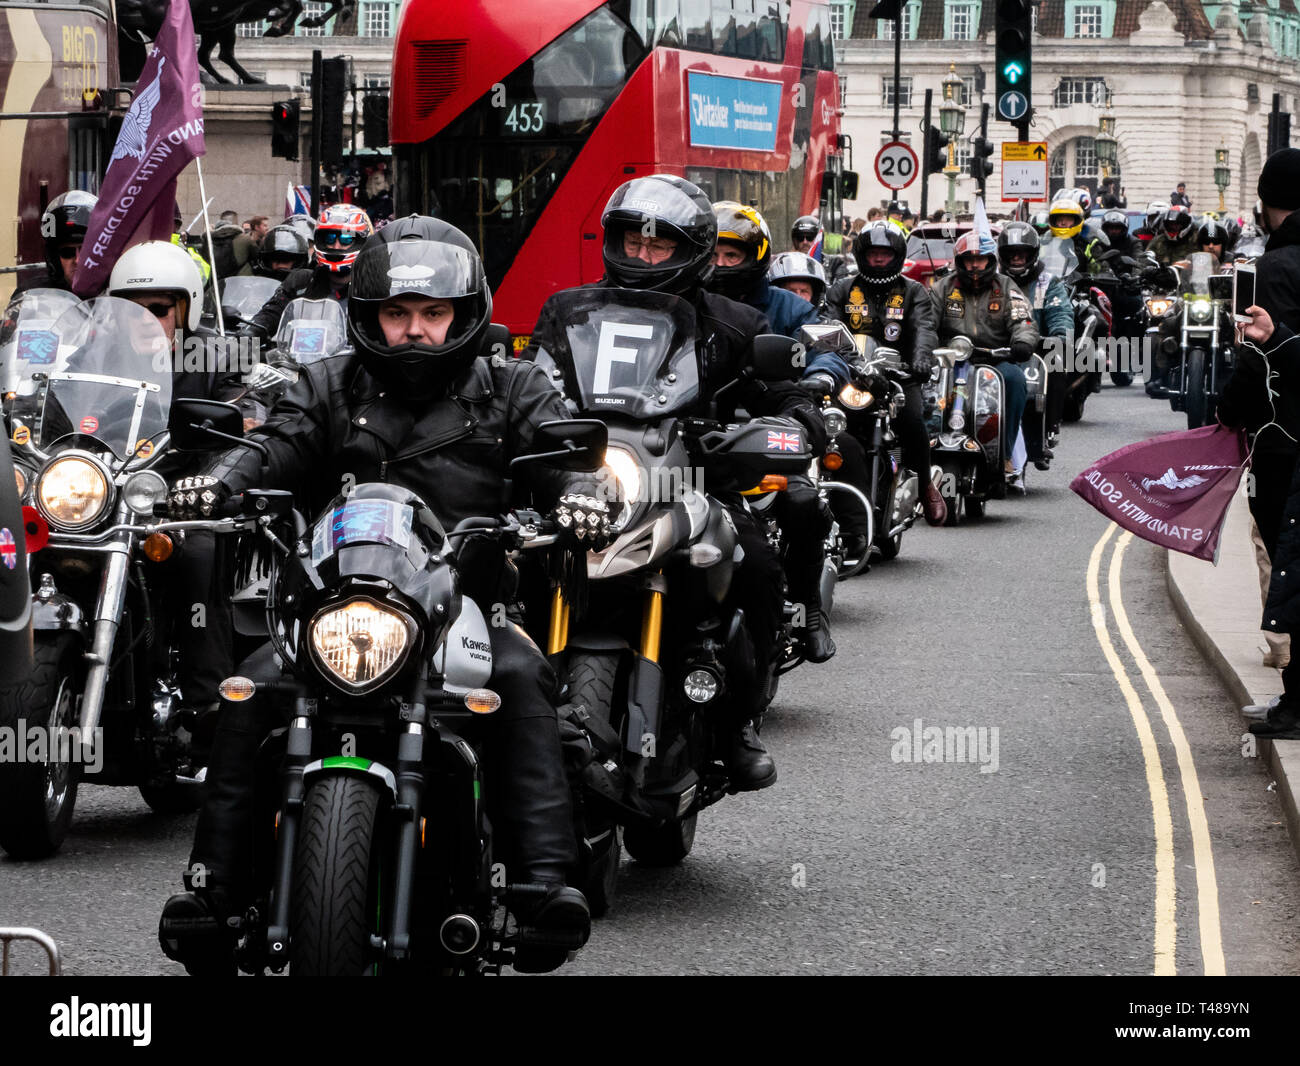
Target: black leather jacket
{"x":898,"y":315}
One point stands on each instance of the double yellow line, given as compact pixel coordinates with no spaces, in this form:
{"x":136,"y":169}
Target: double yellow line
{"x":1207,"y":889}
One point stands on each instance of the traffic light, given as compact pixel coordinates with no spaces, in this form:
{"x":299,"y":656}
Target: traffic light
{"x":333,"y":88}
{"x":981,"y":166}
{"x":936,"y":151}
{"x":374,"y":119}
{"x":284,"y":130}
{"x":1013,"y":47}
{"x":1279,"y":131}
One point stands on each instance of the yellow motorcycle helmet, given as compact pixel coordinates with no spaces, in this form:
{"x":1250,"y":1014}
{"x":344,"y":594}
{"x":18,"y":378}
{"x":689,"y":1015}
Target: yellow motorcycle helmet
{"x":1065,"y":218}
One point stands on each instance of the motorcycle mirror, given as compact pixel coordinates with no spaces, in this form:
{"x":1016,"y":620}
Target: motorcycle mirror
{"x":200,"y":425}
{"x":575,"y":444}
{"x":947,"y":357}
{"x":776,"y":358}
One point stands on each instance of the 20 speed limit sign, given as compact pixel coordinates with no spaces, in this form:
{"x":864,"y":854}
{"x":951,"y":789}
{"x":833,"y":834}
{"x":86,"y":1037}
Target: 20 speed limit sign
{"x":896,"y":165}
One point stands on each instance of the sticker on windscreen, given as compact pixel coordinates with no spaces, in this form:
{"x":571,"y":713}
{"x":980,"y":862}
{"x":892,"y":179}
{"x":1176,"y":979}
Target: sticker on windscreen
{"x":308,"y":342}
{"x":37,"y":346}
{"x":362,"y":522}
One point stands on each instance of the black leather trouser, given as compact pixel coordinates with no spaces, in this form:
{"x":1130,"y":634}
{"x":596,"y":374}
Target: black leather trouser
{"x":196,"y":579}
{"x":526,"y":791}
{"x":849,"y":512}
{"x":805,"y":520}
{"x":913,"y":437}
{"x":756,"y":589}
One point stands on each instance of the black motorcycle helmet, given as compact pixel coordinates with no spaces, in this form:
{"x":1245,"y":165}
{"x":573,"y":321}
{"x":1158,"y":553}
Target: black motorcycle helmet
{"x":744,"y":228}
{"x":881,"y":234}
{"x":64,"y":223}
{"x":1018,"y":237}
{"x":660,"y":206}
{"x":419,"y":256}
{"x":1175,"y":222}
{"x":283,"y":244}
{"x":805,"y":228}
{"x":1114,"y":225}
{"x":1212,"y":232}
{"x":1040,"y":222}
{"x":1233,"y":228}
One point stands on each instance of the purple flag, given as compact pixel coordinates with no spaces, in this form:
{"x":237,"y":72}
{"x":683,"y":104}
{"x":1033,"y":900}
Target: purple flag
{"x":161,"y":133}
{"x":1173,"y":490}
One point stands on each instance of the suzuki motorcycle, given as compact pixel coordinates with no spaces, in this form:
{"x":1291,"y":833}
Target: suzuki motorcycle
{"x":649,"y":666}
{"x":373,"y":850}
{"x":88,"y":420}
{"x":966,"y":412}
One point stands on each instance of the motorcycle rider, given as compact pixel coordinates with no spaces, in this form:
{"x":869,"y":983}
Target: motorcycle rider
{"x":806,"y":236}
{"x":1175,"y":238}
{"x":1066,"y":219}
{"x":282,"y":251}
{"x":976,"y":301}
{"x":801,"y":274}
{"x":1041,"y":221}
{"x":880,"y":302}
{"x":1212,"y":237}
{"x":1114,"y":227}
{"x":678,"y":260}
{"x":63,"y":229}
{"x":340,"y":231}
{"x":740,"y":263}
{"x":1018,"y":247}
{"x":414,"y":406}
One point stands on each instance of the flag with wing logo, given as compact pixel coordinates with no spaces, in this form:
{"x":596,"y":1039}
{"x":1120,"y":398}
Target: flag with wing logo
{"x":1173,"y":490}
{"x":161,"y":132}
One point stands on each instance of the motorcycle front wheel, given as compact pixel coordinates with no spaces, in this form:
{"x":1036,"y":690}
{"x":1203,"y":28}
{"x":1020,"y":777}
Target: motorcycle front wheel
{"x":336,"y":866}
{"x":1198,"y":408}
{"x":666,"y":845}
{"x":37,"y":796}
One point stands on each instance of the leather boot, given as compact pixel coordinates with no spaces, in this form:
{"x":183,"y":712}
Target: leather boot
{"x":816,"y":636}
{"x":932,"y":503}
{"x":748,"y":762}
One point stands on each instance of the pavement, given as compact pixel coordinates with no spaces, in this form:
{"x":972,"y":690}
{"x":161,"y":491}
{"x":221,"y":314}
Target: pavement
{"x":1220,"y":608}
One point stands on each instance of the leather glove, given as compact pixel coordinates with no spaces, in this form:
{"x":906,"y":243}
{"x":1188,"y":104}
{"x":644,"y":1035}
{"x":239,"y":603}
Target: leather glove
{"x":583,"y":522}
{"x":921,"y":366}
{"x":1020,"y":351}
{"x":818,"y":385}
{"x":196,"y":497}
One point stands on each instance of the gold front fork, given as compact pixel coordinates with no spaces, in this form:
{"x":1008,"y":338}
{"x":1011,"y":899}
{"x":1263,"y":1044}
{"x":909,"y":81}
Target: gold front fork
{"x":652,"y":621}
{"x":557,"y":634}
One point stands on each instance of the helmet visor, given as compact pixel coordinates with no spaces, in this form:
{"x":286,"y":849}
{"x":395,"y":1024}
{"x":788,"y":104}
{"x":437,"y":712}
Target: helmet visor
{"x":414,"y":268}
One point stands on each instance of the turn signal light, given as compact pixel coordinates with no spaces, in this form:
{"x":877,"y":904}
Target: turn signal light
{"x":482,"y":700}
{"x":236,"y":689}
{"x":832,"y":460}
{"x":773,"y":483}
{"x":158,"y":547}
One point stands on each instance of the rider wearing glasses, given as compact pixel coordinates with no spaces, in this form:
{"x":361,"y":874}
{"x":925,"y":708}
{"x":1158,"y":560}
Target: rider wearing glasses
{"x":63,"y":226}
{"x":340,"y":232}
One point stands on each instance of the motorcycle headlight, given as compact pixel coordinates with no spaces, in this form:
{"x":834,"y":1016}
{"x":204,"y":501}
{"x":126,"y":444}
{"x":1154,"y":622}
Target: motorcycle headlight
{"x":361,"y":643}
{"x":836,"y":422}
{"x":627,"y":471}
{"x":72,"y":492}
{"x":143,"y":490}
{"x":855,"y":398}
{"x":1158,"y":308}
{"x":1199,"y":310}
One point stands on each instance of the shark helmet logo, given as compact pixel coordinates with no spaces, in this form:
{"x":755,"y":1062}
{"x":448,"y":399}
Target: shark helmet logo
{"x":134,"y":138}
{"x":1172,"y":481}
{"x":409,"y":277}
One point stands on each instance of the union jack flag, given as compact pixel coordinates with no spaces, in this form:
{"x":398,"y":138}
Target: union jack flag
{"x":8,"y":548}
{"x":782,"y":442}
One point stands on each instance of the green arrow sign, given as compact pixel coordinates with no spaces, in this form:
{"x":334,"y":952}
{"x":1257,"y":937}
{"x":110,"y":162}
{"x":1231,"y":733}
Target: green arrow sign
{"x":1012,"y":72}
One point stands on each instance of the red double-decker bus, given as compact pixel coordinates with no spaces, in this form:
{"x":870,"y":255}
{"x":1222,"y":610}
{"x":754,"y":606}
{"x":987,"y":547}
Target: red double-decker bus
{"x":516,"y":122}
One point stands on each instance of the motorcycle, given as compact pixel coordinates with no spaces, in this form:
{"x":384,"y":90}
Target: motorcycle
{"x":651,"y":663}
{"x":309,"y":330}
{"x":88,"y":422}
{"x":866,"y":407}
{"x":242,"y":297}
{"x":965,"y":412}
{"x":1201,"y":355}
{"x":1092,"y":322}
{"x":373,"y":851}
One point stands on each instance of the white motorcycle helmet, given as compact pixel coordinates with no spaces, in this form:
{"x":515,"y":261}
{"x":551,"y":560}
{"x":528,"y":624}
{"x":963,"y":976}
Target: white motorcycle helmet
{"x":160,"y":266}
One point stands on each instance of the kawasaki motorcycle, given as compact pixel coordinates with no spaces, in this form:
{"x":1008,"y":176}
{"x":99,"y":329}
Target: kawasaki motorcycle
{"x":650,"y":663}
{"x":89,"y":401}
{"x":373,"y":850}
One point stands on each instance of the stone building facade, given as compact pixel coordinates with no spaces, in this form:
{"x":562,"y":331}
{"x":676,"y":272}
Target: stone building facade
{"x":1183,"y":78}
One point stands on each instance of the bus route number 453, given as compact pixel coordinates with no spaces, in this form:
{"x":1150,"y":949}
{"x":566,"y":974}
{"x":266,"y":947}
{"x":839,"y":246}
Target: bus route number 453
{"x":526,"y":117}
{"x":896,"y":165}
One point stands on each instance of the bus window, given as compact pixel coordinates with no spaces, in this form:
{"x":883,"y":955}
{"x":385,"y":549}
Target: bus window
{"x":771,"y":29}
{"x":746,"y":27}
{"x":695,"y":15}
{"x":668,"y":23}
{"x":724,"y":28}
{"x":704,"y":178}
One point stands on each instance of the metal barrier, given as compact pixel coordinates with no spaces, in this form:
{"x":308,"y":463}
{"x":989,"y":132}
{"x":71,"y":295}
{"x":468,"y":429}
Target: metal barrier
{"x":45,"y":941}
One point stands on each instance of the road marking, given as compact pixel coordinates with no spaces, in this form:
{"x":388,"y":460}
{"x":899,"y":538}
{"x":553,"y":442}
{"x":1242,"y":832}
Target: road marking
{"x":1207,"y":886}
{"x":1166,"y":931}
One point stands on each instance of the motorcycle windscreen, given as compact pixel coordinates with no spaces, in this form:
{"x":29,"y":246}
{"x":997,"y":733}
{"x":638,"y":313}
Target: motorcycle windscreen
{"x":626,"y":352}
{"x":242,"y":297}
{"x":1058,"y":257}
{"x":116,"y":383}
{"x":986,"y":390}
{"x":28,"y":343}
{"x":311,"y":330}
{"x":1196,"y":279}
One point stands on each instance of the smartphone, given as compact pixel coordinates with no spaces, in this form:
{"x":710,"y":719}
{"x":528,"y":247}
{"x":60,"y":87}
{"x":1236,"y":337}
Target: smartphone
{"x":1243,"y":291}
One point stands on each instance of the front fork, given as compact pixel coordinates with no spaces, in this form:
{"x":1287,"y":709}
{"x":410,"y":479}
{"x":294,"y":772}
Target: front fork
{"x":109,"y":604}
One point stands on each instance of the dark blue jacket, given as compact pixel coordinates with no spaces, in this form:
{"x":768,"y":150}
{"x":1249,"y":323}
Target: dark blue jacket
{"x":785,"y":311}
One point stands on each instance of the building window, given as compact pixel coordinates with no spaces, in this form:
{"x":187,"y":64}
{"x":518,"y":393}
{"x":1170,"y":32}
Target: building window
{"x":249,"y":29}
{"x":962,"y":154}
{"x":1057,"y":168}
{"x":304,"y":80}
{"x":374,"y":81}
{"x":1079,"y":91}
{"x":841,"y":19}
{"x":376,"y":19}
{"x":1087,"y":20}
{"x":886,"y":26}
{"x":1085,"y":158}
{"x":844,"y":90}
{"x":967,"y":90}
{"x":904,"y":91}
{"x":311,"y":9}
{"x":961,"y":22}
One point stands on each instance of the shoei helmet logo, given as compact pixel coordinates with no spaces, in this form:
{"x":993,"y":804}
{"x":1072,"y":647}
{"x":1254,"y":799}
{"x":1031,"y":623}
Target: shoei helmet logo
{"x":644,"y":205}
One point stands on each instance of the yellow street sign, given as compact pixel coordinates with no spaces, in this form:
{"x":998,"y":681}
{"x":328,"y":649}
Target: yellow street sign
{"x":1024,"y":151}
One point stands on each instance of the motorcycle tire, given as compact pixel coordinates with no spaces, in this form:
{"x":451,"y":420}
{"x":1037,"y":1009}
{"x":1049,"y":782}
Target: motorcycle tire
{"x":1198,"y":406}
{"x":975,"y":508}
{"x":1073,"y":409}
{"x":666,"y":845}
{"x":1120,"y":379}
{"x":335,"y":906}
{"x":890,"y":546}
{"x":591,"y":683}
{"x":37,"y":798}
{"x":955,"y":505}
{"x":175,"y":797}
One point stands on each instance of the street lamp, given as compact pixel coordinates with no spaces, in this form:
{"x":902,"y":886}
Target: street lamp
{"x":1222,"y":173}
{"x":952,"y":120}
{"x":1106,"y":146}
